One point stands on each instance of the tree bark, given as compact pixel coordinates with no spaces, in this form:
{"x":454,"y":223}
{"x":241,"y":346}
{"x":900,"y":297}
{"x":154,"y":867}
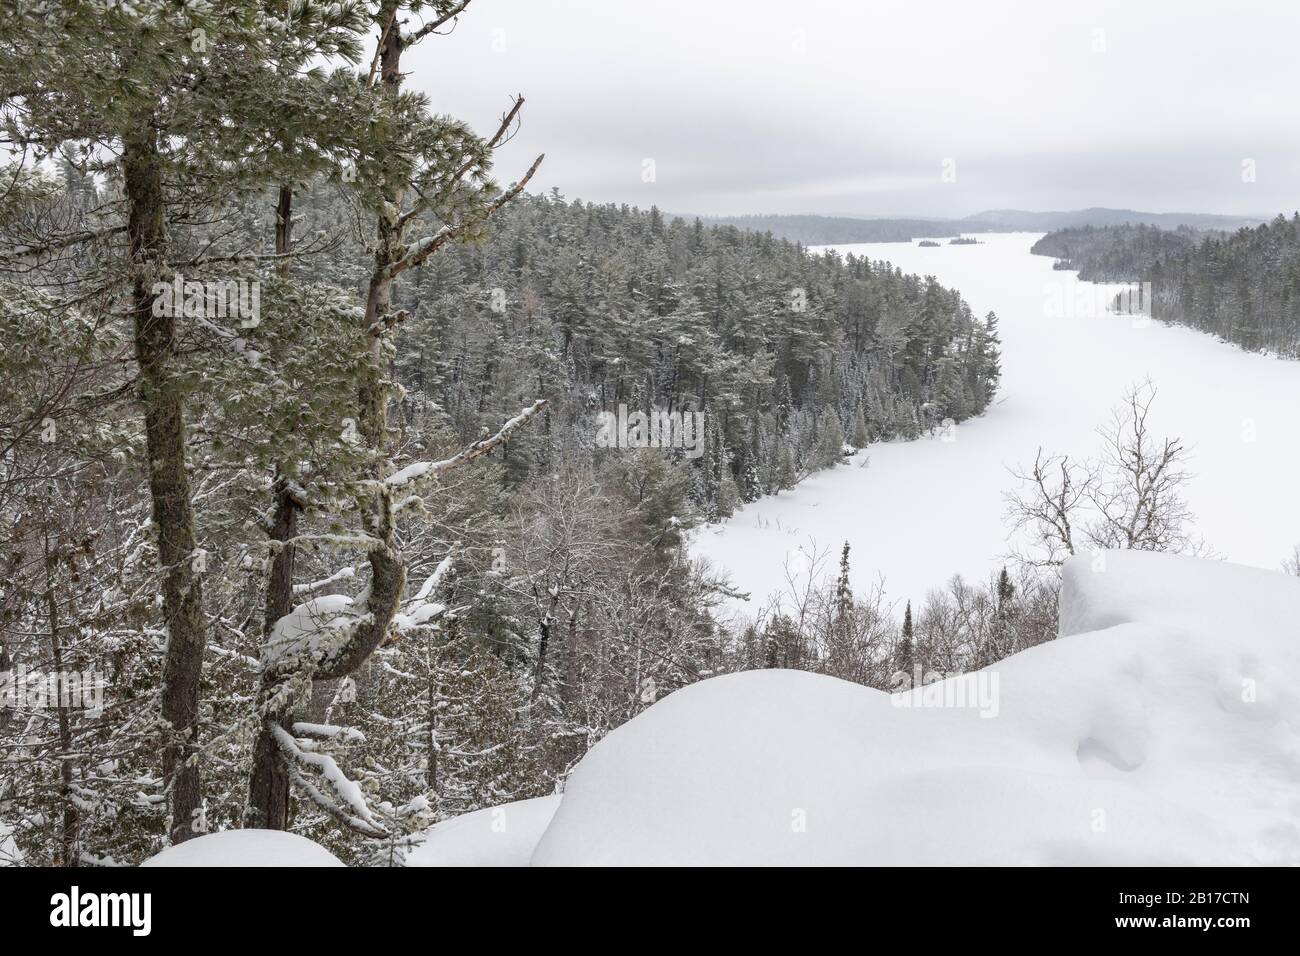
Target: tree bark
{"x":269,"y":785}
{"x":283,"y":230}
{"x":173,"y":514}
{"x":268,"y":789}
{"x":387,"y":567}
{"x":70,"y":837}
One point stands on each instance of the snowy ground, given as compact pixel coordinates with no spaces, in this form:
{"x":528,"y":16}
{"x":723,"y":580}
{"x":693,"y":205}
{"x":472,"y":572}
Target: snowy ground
{"x":246,"y":848}
{"x":497,"y":836}
{"x":921,"y":511}
{"x":1162,"y":728}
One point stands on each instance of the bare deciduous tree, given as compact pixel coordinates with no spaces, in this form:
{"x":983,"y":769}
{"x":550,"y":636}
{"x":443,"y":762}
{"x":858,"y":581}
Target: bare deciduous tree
{"x":1129,"y":498}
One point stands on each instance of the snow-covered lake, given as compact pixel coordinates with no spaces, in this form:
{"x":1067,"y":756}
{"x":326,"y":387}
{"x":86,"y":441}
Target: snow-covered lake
{"x":921,"y":511}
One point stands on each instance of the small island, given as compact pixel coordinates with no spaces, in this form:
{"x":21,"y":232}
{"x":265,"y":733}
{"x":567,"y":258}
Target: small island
{"x":963,"y":241}
{"x":928,"y":243}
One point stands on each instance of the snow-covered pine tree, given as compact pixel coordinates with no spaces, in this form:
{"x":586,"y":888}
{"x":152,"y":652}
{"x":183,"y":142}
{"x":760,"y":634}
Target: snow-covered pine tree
{"x":167,"y":98}
{"x":411,"y":165}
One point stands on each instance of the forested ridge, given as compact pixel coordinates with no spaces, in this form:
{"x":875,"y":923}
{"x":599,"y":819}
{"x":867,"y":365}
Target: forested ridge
{"x":787,"y":355}
{"x":299,"y":462}
{"x":1243,"y":287}
{"x":1114,"y":253}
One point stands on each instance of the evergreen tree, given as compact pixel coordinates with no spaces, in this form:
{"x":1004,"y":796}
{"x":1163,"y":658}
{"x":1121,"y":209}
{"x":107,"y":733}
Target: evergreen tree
{"x":843,"y":590}
{"x":906,"y":656}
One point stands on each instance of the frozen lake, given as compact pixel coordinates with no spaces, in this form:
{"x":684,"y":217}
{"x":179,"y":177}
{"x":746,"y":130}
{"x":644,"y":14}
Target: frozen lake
{"x":921,"y":511}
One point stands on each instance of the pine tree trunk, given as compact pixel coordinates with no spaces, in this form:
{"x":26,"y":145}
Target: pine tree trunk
{"x":70,"y":837}
{"x":173,"y":516}
{"x":543,"y":643}
{"x":268,"y":789}
{"x":283,"y":230}
{"x":268,"y":785}
{"x":387,"y":566}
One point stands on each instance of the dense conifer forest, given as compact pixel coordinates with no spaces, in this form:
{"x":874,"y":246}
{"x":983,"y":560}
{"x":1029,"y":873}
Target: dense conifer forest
{"x":1114,"y":253}
{"x":1243,"y":287}
{"x":788,"y":356}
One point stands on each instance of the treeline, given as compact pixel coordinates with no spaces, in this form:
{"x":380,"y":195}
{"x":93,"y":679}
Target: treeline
{"x":819,"y":624}
{"x":1124,"y":253}
{"x":1243,"y":288}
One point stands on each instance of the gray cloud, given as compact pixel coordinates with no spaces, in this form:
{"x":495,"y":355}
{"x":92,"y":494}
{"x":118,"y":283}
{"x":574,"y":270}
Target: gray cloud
{"x":851,"y":108}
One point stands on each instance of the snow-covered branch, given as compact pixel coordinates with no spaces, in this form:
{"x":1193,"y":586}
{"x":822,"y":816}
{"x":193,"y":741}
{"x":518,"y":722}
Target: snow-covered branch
{"x":427,"y":246}
{"x":423,"y":469}
{"x":342,"y":574}
{"x":344,"y":801}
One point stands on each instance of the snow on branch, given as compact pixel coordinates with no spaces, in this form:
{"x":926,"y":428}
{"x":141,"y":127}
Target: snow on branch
{"x":60,"y":243}
{"x":416,"y":35}
{"x":328,"y":732}
{"x":310,"y":633}
{"x":435,"y":579}
{"x":423,"y":469}
{"x":342,"y":574}
{"x":421,"y":610}
{"x":344,"y":801}
{"x":337,"y":542}
{"x":508,"y":120}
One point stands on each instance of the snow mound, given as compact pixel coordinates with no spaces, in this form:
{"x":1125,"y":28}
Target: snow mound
{"x":498,"y":836}
{"x":246,"y":848}
{"x":1162,"y":728}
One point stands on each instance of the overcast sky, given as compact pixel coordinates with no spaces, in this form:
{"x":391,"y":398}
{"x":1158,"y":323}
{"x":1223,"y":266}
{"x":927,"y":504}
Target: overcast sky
{"x":852,"y":108}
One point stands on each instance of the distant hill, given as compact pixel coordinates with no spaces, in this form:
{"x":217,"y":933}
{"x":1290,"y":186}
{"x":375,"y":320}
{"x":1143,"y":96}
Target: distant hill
{"x":827,"y":230}
{"x":1048,"y":221}
{"x":839,"y":230}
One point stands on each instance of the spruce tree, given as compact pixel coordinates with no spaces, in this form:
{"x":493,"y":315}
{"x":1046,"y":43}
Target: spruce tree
{"x":843,"y":589}
{"x":906,"y":659}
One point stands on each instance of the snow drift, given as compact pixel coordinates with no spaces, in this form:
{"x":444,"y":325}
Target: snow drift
{"x":1162,"y":728}
{"x":246,"y":848}
{"x":497,"y":836}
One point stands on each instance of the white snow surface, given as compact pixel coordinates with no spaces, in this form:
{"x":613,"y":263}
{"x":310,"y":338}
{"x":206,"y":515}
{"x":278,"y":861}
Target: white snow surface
{"x":923,"y":510}
{"x":310,"y":629}
{"x":497,"y":836}
{"x":246,"y":848}
{"x":1163,"y":727}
